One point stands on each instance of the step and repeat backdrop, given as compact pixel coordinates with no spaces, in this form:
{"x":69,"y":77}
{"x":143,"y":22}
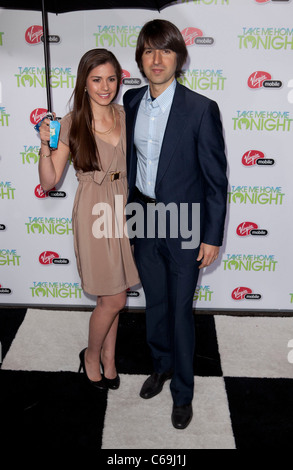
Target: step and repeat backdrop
{"x":240,"y":55}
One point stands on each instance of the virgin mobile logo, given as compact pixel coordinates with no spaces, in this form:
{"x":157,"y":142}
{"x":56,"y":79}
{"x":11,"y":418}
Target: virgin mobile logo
{"x":262,"y":80}
{"x":256,"y":157}
{"x":37,"y":115}
{"x":47,"y":257}
{"x":241,"y":293}
{"x":40,"y":194}
{"x":268,"y":1}
{"x":250,"y":228}
{"x":51,"y":257}
{"x":194,"y":36}
{"x":128,"y":80}
{"x":4,"y":290}
{"x":34,"y":35}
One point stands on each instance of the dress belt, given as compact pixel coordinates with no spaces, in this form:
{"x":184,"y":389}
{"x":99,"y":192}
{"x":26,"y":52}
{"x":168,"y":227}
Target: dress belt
{"x":143,"y":197}
{"x":99,"y":176}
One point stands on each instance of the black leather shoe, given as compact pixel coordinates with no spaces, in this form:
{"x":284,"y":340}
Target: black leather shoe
{"x":113,"y":384}
{"x":154,"y":384}
{"x":181,"y":416}
{"x":99,"y":384}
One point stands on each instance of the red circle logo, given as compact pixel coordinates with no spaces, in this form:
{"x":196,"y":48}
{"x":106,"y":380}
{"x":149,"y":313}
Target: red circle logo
{"x":190,"y":34}
{"x":240,"y":292}
{"x":37,"y":115}
{"x":250,"y":158}
{"x":47,"y":257}
{"x":256,"y":79}
{"x":33,"y":34}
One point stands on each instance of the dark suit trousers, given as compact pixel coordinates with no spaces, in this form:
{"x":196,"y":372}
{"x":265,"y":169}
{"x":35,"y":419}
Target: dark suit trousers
{"x":169,"y":289}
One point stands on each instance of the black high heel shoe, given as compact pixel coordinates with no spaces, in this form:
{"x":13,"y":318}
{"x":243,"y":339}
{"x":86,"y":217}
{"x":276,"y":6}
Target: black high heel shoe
{"x":99,"y":384}
{"x":113,"y":384}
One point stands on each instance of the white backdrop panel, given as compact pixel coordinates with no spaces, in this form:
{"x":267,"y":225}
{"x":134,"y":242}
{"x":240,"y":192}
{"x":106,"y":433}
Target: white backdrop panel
{"x":242,"y":42}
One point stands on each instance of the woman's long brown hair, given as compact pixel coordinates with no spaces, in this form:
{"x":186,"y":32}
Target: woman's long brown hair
{"x":82,"y":143}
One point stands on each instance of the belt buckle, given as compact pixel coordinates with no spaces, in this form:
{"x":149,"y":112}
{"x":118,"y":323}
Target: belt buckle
{"x":152,"y":203}
{"x":115,"y":176}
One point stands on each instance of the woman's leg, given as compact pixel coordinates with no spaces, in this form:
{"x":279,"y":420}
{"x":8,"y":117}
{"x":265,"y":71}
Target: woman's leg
{"x":102,"y":336}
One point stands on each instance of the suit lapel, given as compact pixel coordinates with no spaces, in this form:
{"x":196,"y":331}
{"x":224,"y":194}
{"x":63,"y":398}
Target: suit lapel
{"x":134,"y":105}
{"x":132,"y":160}
{"x":174,"y":130}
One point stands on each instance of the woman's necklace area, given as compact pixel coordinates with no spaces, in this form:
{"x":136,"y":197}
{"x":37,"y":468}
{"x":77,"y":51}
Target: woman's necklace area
{"x":111,"y":128}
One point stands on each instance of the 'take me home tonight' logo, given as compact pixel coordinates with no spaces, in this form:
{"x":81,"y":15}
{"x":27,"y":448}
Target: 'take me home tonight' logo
{"x":203,"y":294}
{"x":6,"y":190}
{"x":252,"y":263}
{"x":203,"y":79}
{"x":35,"y":77}
{"x":278,"y":121}
{"x":30,"y":154}
{"x":51,"y":226}
{"x":9,"y":257}
{"x":4,"y":116}
{"x":56,"y":290}
{"x":256,"y":195}
{"x":276,"y":38}
{"x":116,"y":36}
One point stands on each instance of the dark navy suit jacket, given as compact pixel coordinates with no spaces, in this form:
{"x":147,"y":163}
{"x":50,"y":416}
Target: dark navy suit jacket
{"x":192,"y":164}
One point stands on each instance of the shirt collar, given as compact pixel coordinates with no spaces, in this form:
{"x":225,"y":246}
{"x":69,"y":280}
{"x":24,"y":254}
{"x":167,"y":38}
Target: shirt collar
{"x":164,"y":100}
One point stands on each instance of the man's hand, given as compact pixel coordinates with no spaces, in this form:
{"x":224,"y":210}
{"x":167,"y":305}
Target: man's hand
{"x":207,"y":255}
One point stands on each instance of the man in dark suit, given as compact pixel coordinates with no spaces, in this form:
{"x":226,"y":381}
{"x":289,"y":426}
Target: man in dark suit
{"x":175,"y":155}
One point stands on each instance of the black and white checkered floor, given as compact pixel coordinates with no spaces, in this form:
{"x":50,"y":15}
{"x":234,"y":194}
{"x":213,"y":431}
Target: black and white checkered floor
{"x":243,"y":385}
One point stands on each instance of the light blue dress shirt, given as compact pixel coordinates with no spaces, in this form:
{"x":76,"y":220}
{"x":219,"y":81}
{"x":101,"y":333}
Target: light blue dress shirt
{"x":149,"y":132}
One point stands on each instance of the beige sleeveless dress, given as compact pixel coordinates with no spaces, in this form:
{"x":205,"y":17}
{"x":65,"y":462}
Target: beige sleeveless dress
{"x":104,"y":257}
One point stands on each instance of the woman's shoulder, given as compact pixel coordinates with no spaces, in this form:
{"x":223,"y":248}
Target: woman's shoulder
{"x":119,"y":108}
{"x":66,"y":120}
{"x":65,"y":128}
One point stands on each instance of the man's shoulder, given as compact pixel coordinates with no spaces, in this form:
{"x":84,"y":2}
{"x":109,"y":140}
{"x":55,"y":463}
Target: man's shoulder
{"x":194,"y":95}
{"x":130,"y":94}
{"x":193,"y":98}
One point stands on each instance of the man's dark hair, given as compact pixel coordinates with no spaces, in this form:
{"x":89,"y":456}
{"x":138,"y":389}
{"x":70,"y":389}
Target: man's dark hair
{"x":161,"y":34}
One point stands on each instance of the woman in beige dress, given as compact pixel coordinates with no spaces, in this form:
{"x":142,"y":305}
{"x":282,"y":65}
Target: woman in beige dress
{"x":94,"y":135}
